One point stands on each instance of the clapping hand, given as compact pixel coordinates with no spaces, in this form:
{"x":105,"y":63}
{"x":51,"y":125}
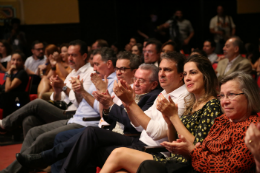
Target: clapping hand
{"x":181,"y":146}
{"x":124,"y":92}
{"x":77,"y":84}
{"x":167,"y":108}
{"x":99,"y":83}
{"x":104,"y":98}
{"x":252,"y":140}
{"x":57,"y":83}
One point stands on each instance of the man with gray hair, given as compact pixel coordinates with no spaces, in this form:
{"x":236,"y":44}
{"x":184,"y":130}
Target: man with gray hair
{"x":233,"y":60}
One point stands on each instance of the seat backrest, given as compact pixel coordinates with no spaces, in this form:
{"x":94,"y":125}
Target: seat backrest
{"x":2,"y":81}
{"x":29,"y":84}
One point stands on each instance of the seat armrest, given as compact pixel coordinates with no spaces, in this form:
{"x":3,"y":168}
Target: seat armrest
{"x":154,"y":149}
{"x":69,"y":113}
{"x":133,"y":134}
{"x":91,"y":118}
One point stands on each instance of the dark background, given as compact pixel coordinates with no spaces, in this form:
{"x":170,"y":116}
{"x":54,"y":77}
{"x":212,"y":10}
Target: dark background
{"x":118,"y":20}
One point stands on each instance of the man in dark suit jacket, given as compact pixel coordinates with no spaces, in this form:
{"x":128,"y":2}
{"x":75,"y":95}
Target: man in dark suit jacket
{"x":145,"y":96}
{"x":233,"y":60}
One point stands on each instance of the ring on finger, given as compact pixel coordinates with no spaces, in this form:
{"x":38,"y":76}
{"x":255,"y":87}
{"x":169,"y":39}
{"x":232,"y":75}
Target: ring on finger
{"x":250,"y":141}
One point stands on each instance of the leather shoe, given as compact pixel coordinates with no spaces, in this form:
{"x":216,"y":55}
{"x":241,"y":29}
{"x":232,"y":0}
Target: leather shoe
{"x":31,"y":161}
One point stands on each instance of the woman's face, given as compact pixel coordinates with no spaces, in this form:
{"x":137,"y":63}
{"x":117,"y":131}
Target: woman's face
{"x":167,"y":48}
{"x":17,"y":61}
{"x":2,"y":48}
{"x":64,"y":53}
{"x":132,"y":42}
{"x":193,"y":79}
{"x":135,"y":50}
{"x":235,"y":108}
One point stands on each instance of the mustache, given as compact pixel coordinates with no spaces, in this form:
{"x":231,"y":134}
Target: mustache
{"x":71,"y":61}
{"x":97,"y":72}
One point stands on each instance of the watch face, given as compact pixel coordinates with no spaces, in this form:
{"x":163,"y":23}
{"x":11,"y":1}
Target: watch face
{"x":64,"y":88}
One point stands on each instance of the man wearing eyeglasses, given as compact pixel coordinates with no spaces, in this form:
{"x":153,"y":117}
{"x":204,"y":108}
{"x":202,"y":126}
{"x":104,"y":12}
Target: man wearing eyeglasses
{"x":38,"y":58}
{"x":152,"y":52}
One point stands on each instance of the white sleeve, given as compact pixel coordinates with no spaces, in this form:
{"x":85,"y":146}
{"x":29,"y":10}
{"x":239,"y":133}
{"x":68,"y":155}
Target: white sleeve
{"x":212,"y":24}
{"x":26,"y":63}
{"x":232,"y":22}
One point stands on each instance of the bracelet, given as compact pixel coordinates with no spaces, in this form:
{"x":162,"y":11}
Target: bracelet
{"x":7,"y":75}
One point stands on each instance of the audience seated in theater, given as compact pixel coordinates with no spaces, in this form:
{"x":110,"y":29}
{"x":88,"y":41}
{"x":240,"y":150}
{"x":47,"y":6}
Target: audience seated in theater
{"x":252,"y":141}
{"x":224,"y":149}
{"x":150,"y":122}
{"x":169,"y":47}
{"x":209,"y":47}
{"x":202,"y":107}
{"x":114,"y":113}
{"x":57,"y":64}
{"x":152,"y":52}
{"x":99,"y":43}
{"x":16,"y":78}
{"x":37,"y":58}
{"x":38,"y":112}
{"x":233,"y":60}
{"x":5,"y":55}
{"x":42,"y":137}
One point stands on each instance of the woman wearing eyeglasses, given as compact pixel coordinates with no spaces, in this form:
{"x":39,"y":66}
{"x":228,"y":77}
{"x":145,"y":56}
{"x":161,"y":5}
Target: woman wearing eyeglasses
{"x":223,"y":150}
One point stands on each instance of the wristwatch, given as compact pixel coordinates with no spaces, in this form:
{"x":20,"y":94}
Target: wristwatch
{"x":7,"y":75}
{"x":64,"y":88}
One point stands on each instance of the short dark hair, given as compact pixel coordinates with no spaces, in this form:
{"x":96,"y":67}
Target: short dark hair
{"x":178,"y":58}
{"x":134,"y":59}
{"x":102,"y":43}
{"x":21,"y":54}
{"x":238,"y":42}
{"x":174,"y":45}
{"x":7,"y":46}
{"x":157,"y":43}
{"x":106,"y":54}
{"x":83,"y":46}
{"x":36,"y":42}
{"x":212,"y":42}
{"x":201,"y":52}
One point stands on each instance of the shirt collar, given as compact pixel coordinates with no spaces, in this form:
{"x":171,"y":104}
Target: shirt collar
{"x":83,"y":68}
{"x":233,"y":60}
{"x":112,"y":75}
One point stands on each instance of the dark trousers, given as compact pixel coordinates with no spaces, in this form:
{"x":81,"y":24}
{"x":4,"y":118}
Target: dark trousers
{"x":63,"y":143}
{"x":39,"y":139}
{"x":35,"y":113}
{"x":170,"y":166}
{"x":93,"y":148}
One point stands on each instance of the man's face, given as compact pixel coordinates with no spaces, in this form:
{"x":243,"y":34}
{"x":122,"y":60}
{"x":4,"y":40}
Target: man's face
{"x":207,"y":48}
{"x":220,"y":10}
{"x":169,"y":78}
{"x":179,"y":14}
{"x":75,"y":59}
{"x":38,"y":50}
{"x":100,"y":66}
{"x":230,"y":50}
{"x":123,"y":70}
{"x":150,"y":54}
{"x":142,"y":81}
{"x":94,"y":46}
